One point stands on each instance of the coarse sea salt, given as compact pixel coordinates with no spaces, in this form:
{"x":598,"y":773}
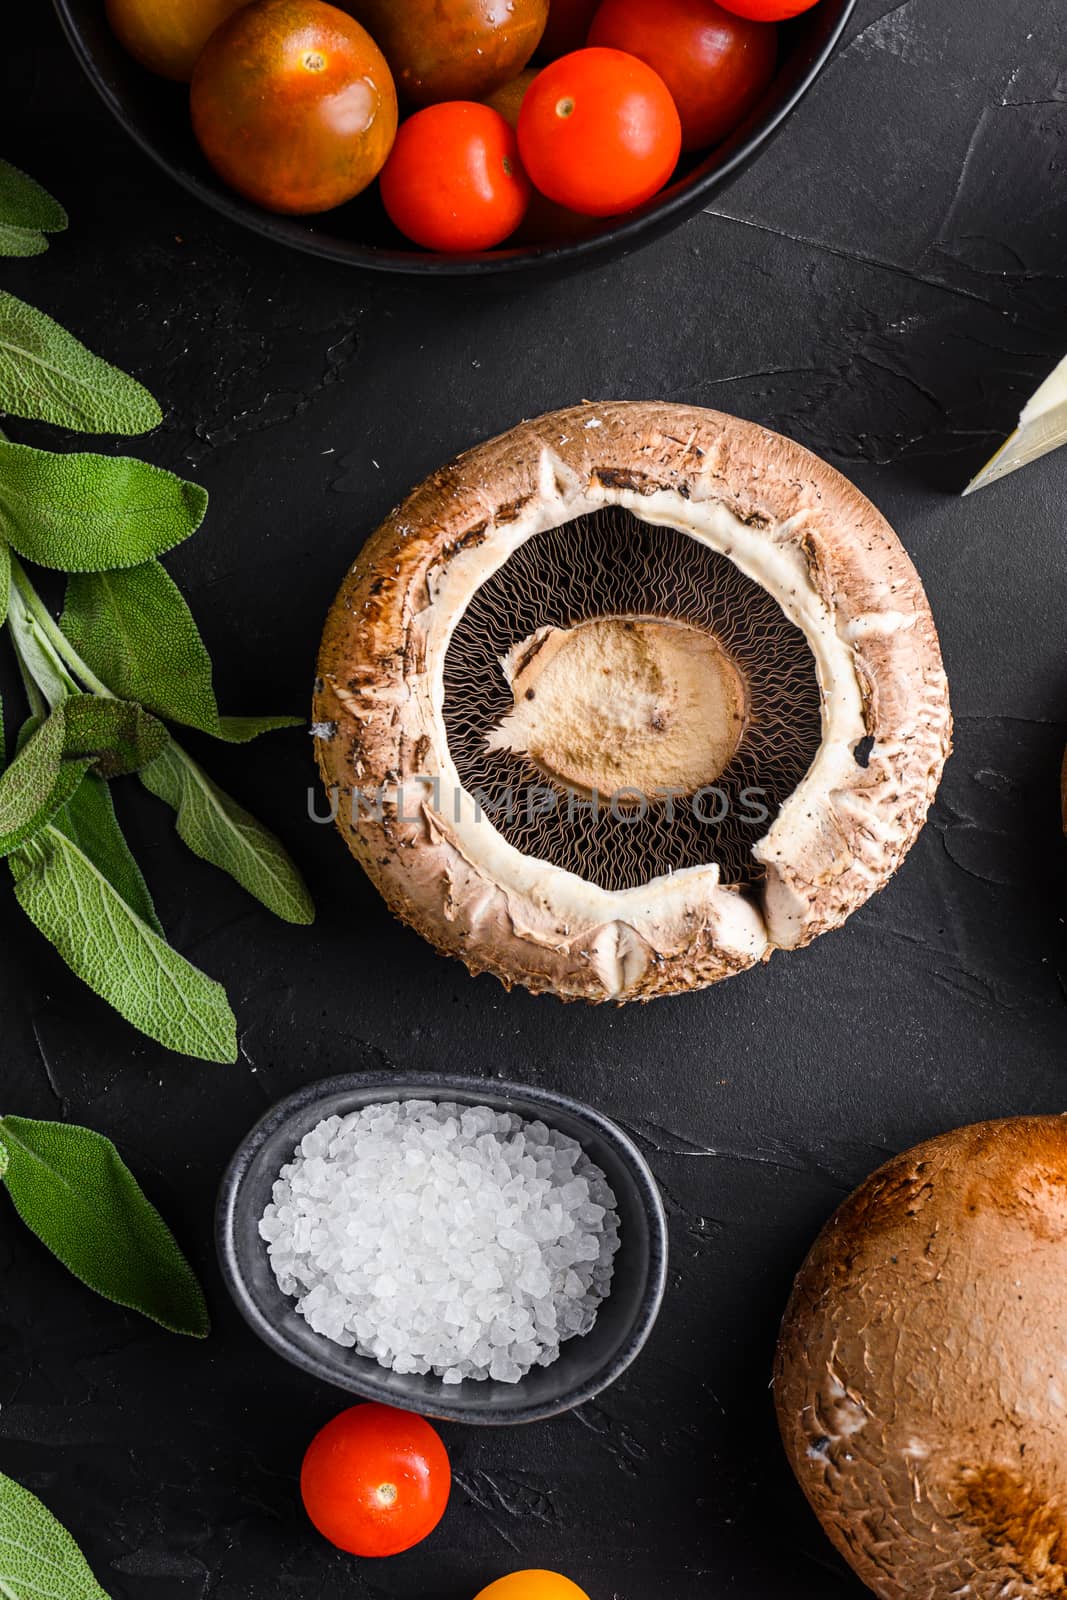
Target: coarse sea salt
{"x":443,"y":1238}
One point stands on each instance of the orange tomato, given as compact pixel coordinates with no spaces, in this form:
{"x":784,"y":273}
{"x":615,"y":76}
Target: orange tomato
{"x":166,"y":36}
{"x":375,"y":1481}
{"x":533,"y":1585}
{"x":294,"y":105}
{"x":452,"y":49}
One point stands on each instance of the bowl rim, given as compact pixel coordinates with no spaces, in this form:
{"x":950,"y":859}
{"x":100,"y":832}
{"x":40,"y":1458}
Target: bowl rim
{"x":657,"y":216}
{"x":438,"y":1086}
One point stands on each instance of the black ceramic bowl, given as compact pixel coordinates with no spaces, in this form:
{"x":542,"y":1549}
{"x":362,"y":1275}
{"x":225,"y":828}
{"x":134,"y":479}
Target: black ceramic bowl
{"x":586,"y":1365}
{"x":156,"y":113}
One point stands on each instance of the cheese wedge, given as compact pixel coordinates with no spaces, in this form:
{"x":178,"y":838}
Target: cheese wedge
{"x":1042,"y":427}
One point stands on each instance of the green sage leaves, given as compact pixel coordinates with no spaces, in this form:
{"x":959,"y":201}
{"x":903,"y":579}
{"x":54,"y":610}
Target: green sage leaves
{"x":75,"y":905}
{"x":218,"y":830}
{"x":112,"y":736}
{"x":48,"y":374}
{"x":90,"y":513}
{"x":38,"y":1558}
{"x":125,"y":655}
{"x":24,"y":204}
{"x":27,"y":213}
{"x":72,"y":1188}
{"x":89,"y":821}
{"x":134,"y":629}
{"x":36,"y":784}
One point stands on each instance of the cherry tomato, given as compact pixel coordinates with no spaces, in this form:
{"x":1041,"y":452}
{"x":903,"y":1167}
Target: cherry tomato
{"x":533,"y":1586}
{"x":164,"y":37}
{"x":768,"y":10}
{"x":452,"y":49}
{"x":375,"y":1481}
{"x":567,"y":27}
{"x":293,"y":105}
{"x":454,"y":180}
{"x":599,"y":132}
{"x":509,"y":97}
{"x":545,"y":222}
{"x":716,"y":65}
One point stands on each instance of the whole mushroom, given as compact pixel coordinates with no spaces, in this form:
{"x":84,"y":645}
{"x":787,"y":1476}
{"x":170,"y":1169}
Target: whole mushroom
{"x":921,"y":1377}
{"x":619,"y":703}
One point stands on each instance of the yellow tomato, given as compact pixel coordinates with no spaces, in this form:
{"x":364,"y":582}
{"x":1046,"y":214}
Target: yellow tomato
{"x":533,"y":1586}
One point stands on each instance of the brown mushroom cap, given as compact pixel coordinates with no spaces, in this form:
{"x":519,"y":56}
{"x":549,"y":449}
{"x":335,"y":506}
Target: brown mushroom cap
{"x":838,"y":573}
{"x":921,"y":1379}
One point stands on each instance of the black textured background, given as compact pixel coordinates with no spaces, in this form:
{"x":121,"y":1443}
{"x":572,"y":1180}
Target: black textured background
{"x":886,"y":284}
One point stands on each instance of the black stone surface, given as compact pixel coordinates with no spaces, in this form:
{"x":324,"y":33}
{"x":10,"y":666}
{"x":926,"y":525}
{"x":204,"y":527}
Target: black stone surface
{"x":885,"y":285}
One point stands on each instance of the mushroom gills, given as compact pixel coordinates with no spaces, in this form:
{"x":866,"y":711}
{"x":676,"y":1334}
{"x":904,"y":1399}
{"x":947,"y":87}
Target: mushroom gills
{"x":623,"y":702}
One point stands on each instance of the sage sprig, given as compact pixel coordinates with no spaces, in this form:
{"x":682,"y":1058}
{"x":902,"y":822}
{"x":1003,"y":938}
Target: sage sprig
{"x":73,"y":1189}
{"x":124,"y":659}
{"x":39,"y":1559}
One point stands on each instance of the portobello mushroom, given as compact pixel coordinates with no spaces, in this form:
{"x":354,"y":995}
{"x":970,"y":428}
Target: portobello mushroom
{"x":921,"y":1377}
{"x":622,"y":701}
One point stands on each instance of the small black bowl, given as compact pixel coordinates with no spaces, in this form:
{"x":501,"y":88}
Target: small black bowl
{"x":156,"y":114}
{"x":586,"y":1365}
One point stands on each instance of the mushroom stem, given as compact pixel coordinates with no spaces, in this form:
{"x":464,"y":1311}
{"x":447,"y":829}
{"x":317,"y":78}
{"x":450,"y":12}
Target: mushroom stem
{"x":624,"y":704}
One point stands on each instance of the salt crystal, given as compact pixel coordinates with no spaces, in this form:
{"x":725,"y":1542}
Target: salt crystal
{"x":443,"y":1238}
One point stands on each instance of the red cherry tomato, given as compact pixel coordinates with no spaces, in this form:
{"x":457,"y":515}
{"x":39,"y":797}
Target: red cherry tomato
{"x":375,"y":1481}
{"x":768,"y":10}
{"x":715,"y":65}
{"x":567,"y":27}
{"x":599,"y":132}
{"x":454,"y":180}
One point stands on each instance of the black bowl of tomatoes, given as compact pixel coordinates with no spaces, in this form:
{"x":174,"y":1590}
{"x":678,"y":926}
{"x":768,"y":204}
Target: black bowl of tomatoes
{"x":454,"y":137}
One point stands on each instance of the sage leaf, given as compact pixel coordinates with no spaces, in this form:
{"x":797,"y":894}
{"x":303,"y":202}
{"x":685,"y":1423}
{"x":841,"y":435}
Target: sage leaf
{"x":91,"y":513}
{"x":113,"y":950}
{"x":33,"y":771}
{"x":89,"y":821}
{"x":38,"y":1558}
{"x":114,"y":736}
{"x":25,"y":204}
{"x":239,"y":730}
{"x":37,"y":783}
{"x":40,"y":666}
{"x":62,"y":790}
{"x":218,"y":830}
{"x":135,"y":631}
{"x":119,"y":735}
{"x":47,"y":374}
{"x":5,"y":580}
{"x":73,"y":1189}
{"x":21,"y":241}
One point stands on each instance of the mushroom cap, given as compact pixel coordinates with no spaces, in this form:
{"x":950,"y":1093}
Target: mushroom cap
{"x":921,"y":1377}
{"x":781,"y":515}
